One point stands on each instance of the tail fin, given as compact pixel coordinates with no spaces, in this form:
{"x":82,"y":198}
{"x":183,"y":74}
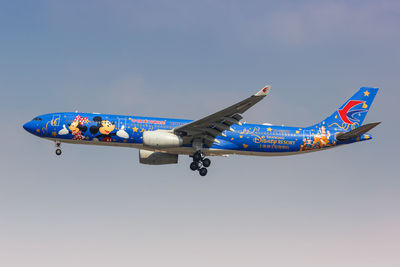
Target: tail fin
{"x":352,"y":113}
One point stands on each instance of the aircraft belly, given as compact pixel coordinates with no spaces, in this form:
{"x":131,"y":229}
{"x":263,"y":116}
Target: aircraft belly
{"x":98,"y":143}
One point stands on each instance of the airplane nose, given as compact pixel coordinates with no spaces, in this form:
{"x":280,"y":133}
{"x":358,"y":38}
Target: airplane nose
{"x":28,"y":127}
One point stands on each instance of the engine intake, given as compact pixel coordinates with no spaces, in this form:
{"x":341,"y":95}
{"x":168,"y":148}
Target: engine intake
{"x":161,"y":139}
{"x":156,"y":158}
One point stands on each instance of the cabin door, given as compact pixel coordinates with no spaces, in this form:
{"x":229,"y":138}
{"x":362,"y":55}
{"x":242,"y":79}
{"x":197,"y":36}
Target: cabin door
{"x":307,"y":135}
{"x":121,"y":123}
{"x":55,"y":121}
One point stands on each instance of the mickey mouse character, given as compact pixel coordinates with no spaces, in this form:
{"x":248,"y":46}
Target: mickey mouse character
{"x":76,"y":128}
{"x":105,"y":128}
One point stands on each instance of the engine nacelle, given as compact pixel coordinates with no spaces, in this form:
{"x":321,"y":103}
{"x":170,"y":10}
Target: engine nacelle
{"x":161,"y":139}
{"x":156,"y":158}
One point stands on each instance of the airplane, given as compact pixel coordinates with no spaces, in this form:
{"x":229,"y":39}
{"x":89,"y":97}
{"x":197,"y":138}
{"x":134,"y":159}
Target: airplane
{"x":161,"y":140}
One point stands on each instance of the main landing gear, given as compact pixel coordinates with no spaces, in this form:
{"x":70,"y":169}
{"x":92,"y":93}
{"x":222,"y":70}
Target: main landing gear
{"x":200,"y":163}
{"x":58,"y":148}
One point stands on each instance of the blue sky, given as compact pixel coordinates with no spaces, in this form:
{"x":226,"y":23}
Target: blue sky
{"x":186,"y":59}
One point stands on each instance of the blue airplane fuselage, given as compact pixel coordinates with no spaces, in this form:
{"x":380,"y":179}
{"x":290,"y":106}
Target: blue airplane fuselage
{"x":246,"y":139}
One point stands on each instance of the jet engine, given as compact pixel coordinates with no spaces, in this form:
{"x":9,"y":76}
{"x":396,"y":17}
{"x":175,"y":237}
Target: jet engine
{"x":156,"y":158}
{"x":161,"y":139}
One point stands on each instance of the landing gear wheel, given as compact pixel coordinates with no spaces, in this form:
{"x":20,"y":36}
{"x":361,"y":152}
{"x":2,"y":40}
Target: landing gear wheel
{"x":194,"y":166}
{"x":203,"y":171}
{"x":200,"y":163}
{"x":197,"y":156}
{"x":58,"y":146}
{"x":206,"y":162}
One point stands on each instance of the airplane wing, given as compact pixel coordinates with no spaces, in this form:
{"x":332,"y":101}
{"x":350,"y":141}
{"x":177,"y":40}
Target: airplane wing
{"x":206,"y":130}
{"x":356,"y":132}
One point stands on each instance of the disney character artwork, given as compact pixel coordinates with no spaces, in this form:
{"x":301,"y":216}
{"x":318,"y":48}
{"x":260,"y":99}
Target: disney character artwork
{"x":76,"y":128}
{"x":105,"y":128}
{"x":319,"y":140}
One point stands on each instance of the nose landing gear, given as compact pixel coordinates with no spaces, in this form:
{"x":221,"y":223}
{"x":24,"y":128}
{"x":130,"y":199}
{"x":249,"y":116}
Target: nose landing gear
{"x":200,"y":163}
{"x":58,"y":146}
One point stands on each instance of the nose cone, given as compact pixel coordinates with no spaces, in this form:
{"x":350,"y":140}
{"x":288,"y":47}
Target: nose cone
{"x":29,"y":127}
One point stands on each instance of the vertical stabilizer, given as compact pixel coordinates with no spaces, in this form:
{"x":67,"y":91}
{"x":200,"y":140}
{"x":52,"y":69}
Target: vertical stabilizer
{"x":352,"y":113}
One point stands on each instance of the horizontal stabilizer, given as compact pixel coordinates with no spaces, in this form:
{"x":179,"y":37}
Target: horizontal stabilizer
{"x":356,"y":132}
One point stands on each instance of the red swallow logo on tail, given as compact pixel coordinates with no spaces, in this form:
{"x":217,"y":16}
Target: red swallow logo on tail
{"x":347,"y":115}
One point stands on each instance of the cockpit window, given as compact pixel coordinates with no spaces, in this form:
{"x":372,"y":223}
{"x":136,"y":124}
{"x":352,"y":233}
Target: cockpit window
{"x":37,"y":119}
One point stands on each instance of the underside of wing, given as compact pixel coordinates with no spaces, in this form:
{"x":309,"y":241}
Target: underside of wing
{"x":205,"y":130}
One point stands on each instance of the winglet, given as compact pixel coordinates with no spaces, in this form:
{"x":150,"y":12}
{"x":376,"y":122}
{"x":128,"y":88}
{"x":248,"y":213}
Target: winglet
{"x":264,"y":91}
